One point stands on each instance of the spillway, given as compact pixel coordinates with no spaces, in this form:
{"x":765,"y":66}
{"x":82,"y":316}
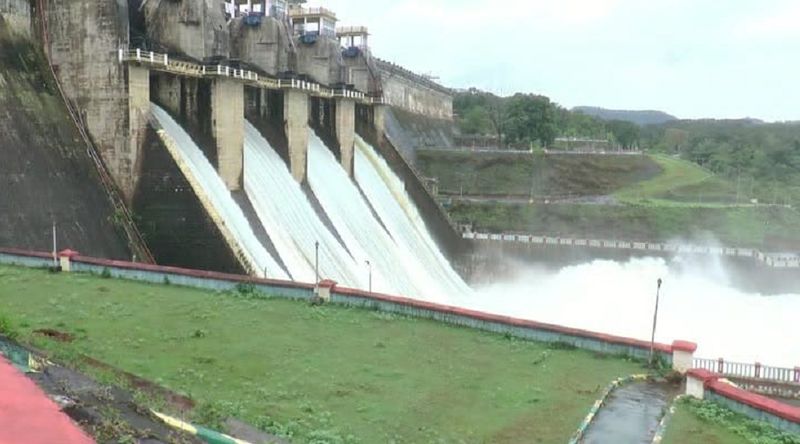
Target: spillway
{"x":290,"y":219}
{"x":386,"y":193}
{"x":395,"y":269}
{"x":214,"y":195}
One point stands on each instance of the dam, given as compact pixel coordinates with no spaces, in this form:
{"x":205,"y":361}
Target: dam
{"x":272,"y":142}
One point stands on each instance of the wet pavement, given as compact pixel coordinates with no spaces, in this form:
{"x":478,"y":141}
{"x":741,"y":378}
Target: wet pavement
{"x":631,"y":414}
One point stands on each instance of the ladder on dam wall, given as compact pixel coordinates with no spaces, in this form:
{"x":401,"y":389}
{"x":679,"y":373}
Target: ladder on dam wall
{"x":122,"y":215}
{"x":163,"y":63}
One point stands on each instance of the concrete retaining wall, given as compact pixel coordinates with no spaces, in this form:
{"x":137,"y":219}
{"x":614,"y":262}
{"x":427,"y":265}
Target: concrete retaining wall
{"x":83,"y":37}
{"x":414,"y":93}
{"x":519,"y":328}
{"x":46,"y":174}
{"x":704,"y":384}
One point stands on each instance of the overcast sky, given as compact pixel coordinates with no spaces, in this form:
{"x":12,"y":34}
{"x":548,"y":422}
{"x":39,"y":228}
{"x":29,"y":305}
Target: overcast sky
{"x":691,"y":58}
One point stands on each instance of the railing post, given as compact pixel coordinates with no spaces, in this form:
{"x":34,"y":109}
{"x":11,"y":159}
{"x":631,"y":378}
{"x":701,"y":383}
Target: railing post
{"x":121,"y":56}
{"x":758,"y":370}
{"x":797,"y":374}
{"x":166,"y":60}
{"x":721,"y":366}
{"x":152,"y":57}
{"x":138,"y":54}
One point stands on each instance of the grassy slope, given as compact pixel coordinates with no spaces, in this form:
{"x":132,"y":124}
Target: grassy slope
{"x":675,"y":174}
{"x":663,"y":198}
{"x":524,"y":173}
{"x":317,"y":371}
{"x":686,"y":428}
{"x":703,"y":422}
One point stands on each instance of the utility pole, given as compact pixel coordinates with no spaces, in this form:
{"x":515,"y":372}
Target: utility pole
{"x":369,"y":265}
{"x":55,"y":246}
{"x":655,"y":320}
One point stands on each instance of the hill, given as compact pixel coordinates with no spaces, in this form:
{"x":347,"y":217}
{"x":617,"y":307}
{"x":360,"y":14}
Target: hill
{"x":642,"y":118}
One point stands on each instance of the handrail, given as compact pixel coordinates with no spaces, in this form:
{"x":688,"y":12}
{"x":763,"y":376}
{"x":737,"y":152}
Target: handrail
{"x":748,"y":371}
{"x":771,"y":260}
{"x":135,"y":238}
{"x":163,"y":62}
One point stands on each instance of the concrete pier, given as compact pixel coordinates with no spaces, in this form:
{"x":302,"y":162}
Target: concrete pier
{"x":227,"y":118}
{"x":346,"y":132}
{"x":295,"y":114}
{"x":138,"y":111}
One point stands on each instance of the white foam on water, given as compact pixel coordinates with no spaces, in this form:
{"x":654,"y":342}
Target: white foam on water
{"x":386,"y":193}
{"x":619,"y":298}
{"x":290,"y":219}
{"x":395,"y":270}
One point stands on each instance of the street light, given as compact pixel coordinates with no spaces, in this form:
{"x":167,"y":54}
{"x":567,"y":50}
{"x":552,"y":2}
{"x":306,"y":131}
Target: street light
{"x":655,"y":319}
{"x":370,"y":275}
{"x":316,"y":261}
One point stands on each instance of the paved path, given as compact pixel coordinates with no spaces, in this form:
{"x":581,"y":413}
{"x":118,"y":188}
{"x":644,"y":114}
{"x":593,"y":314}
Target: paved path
{"x":631,"y":414}
{"x":28,"y":416}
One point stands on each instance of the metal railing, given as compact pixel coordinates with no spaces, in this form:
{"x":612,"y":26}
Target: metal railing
{"x":748,"y":371}
{"x":163,"y":62}
{"x":774,"y":261}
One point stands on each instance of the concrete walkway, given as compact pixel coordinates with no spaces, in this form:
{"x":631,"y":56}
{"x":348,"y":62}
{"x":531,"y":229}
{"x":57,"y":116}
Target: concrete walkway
{"x":631,"y":414}
{"x":28,"y":416}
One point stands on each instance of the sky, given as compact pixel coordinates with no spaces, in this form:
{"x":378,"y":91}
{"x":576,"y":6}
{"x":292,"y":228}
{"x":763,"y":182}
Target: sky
{"x":691,"y":58}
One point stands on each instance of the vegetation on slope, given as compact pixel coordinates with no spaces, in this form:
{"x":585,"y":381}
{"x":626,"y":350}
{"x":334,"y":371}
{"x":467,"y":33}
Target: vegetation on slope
{"x":703,"y":422}
{"x":316,"y":374}
{"x":528,"y":174}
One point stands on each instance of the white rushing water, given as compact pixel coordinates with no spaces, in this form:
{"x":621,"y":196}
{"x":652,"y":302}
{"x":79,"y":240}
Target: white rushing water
{"x":290,"y":219}
{"x":386,"y":193}
{"x":377,"y":221}
{"x":697,"y":304}
{"x":394,"y":269}
{"x":210,"y":188}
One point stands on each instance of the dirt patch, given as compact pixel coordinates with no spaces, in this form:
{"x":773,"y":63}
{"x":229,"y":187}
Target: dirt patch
{"x":178,"y":402}
{"x":56,"y":335}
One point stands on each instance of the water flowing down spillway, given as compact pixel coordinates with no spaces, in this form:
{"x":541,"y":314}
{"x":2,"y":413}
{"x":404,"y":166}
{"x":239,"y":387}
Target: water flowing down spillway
{"x":373,"y":219}
{"x":386,"y":193}
{"x":290,"y":219}
{"x":213,"y":193}
{"x":395,"y":269}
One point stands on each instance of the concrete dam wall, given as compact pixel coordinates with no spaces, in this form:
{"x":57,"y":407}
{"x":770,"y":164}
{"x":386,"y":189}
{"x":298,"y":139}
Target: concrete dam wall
{"x":45,"y":172}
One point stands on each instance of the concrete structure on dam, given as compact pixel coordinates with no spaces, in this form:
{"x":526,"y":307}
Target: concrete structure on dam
{"x":211,"y":65}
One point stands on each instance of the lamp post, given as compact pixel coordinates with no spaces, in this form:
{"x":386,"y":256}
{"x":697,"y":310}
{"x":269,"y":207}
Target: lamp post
{"x":369,"y":265}
{"x":55,"y":247}
{"x":316,"y":261}
{"x":655,"y":320}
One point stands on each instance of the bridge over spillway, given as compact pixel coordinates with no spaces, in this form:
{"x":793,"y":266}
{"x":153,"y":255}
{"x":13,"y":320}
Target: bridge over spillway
{"x":228,"y":108}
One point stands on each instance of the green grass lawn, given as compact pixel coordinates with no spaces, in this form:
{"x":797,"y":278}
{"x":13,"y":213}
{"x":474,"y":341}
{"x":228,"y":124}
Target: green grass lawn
{"x":702,"y":422}
{"x":770,"y":228}
{"x":327,"y":374}
{"x":675,"y":175}
{"x":526,"y":174}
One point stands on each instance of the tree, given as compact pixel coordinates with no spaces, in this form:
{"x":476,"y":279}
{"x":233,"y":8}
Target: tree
{"x":531,"y":118}
{"x":625,"y":133}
